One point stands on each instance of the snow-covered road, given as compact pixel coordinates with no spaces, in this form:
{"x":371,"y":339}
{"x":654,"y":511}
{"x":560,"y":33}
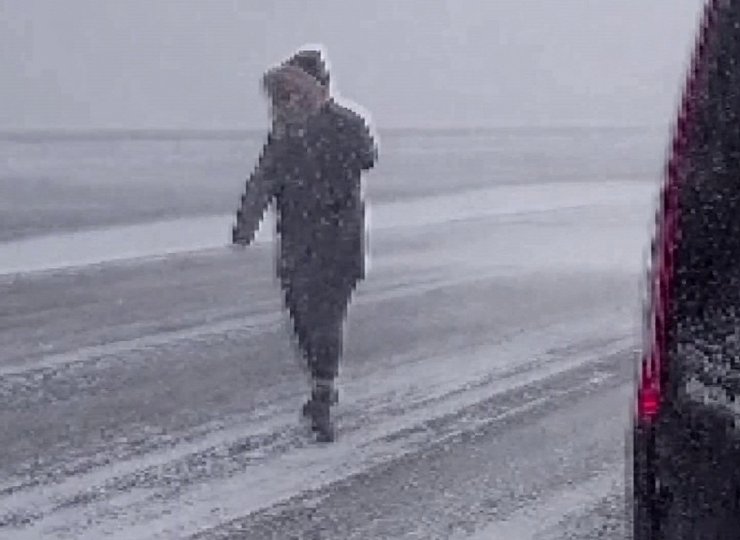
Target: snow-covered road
{"x":484,"y":394}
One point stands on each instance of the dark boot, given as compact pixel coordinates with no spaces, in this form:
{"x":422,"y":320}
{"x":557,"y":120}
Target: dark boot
{"x":318,"y":409}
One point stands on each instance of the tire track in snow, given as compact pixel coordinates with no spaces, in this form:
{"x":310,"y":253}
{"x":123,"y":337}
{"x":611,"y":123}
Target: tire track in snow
{"x":376,"y":433}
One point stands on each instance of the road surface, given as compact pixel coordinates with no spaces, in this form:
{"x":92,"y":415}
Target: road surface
{"x":485,"y":391}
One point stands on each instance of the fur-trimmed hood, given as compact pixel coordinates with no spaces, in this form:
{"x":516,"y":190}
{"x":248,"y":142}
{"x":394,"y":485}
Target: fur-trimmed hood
{"x":288,"y":78}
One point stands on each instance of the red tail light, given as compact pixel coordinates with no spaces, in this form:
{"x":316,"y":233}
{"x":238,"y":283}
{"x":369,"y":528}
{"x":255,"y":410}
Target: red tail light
{"x":649,"y":389}
{"x":648,"y":401}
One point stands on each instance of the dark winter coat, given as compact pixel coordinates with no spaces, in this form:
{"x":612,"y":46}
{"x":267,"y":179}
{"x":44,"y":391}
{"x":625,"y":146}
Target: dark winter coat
{"x":313,"y":177}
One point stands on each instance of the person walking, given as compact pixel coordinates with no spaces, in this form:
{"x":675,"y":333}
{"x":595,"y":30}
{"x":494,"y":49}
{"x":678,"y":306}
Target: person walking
{"x":310,"y":168}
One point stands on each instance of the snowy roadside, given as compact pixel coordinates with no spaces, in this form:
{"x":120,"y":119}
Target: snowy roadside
{"x":153,"y":240}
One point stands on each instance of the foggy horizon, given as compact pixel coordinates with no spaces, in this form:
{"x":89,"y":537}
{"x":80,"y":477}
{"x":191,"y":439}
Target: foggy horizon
{"x":137,"y":66}
{"x":227,"y":132}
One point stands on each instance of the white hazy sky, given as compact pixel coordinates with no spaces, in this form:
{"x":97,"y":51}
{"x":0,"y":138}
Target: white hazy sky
{"x":411,"y":63}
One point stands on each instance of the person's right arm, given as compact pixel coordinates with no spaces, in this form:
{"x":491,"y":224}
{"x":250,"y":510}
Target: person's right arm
{"x":260,"y":190}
